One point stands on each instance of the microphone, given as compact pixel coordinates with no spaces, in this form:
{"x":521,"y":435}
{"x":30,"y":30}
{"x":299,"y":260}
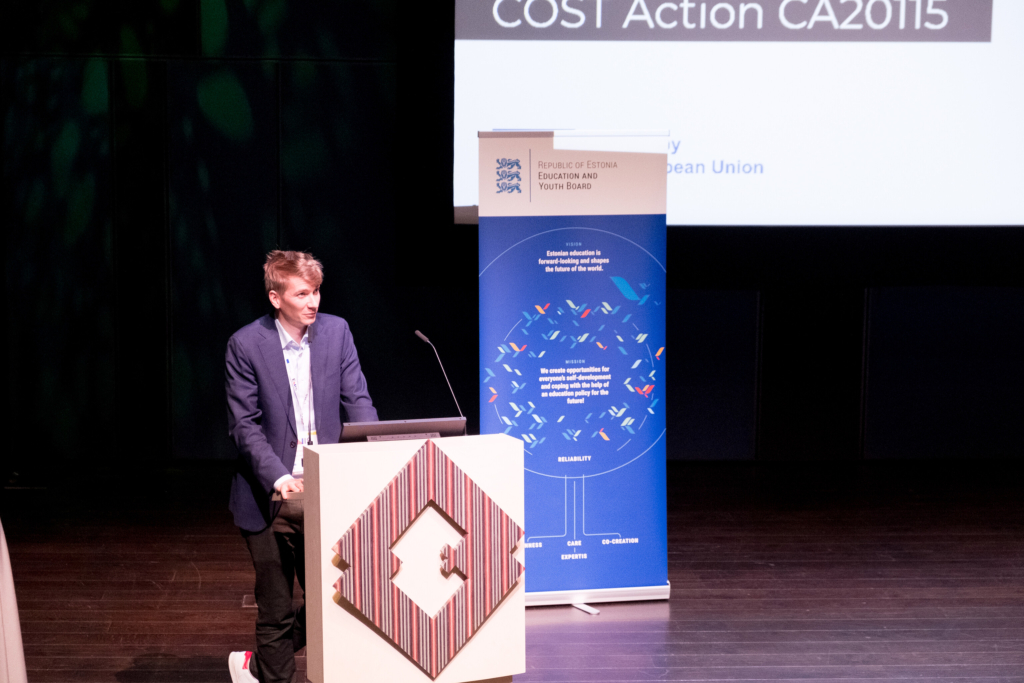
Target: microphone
{"x":424,"y":338}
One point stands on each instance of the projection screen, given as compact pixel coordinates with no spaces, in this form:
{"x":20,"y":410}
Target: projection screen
{"x":779,"y":112}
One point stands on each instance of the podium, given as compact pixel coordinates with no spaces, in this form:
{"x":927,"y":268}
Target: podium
{"x":414,"y":560}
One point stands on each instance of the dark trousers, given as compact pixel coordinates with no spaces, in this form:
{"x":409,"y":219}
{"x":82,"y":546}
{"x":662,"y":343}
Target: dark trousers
{"x":278,"y":555}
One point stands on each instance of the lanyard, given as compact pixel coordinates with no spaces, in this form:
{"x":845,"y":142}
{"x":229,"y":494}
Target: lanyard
{"x":300,"y":400}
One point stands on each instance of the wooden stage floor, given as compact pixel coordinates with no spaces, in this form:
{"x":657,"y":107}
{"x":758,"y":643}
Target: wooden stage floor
{"x":799,"y":572}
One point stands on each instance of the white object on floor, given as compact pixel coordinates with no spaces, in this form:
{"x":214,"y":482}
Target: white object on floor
{"x":586,"y":608}
{"x":12,"y":653}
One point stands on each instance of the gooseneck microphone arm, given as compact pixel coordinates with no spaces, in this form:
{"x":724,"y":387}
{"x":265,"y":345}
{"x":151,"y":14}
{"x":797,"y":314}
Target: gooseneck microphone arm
{"x":424,"y":338}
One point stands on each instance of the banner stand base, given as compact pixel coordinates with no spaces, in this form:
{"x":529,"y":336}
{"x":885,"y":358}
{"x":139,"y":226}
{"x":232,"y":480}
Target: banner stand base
{"x":630,"y":594}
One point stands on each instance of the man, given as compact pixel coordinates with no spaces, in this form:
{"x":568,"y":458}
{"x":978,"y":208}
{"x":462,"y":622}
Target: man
{"x":288,"y":377}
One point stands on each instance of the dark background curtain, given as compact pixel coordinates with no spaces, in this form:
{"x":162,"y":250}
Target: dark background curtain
{"x":154,"y":152}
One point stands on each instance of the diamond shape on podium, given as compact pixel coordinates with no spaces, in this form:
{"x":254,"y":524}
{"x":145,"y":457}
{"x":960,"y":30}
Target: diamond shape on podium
{"x":482,"y":559}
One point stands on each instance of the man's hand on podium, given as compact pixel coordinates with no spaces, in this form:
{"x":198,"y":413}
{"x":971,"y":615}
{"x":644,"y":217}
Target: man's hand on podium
{"x":289,"y":487}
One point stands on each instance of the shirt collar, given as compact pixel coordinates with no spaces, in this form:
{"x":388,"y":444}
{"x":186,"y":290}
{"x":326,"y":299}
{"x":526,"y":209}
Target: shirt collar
{"x":286,"y":338}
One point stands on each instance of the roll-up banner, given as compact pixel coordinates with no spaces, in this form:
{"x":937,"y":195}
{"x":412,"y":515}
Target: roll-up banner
{"x":572,"y":353}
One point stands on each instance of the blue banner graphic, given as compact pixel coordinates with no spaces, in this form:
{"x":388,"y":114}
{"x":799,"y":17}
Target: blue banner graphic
{"x":572,"y":355}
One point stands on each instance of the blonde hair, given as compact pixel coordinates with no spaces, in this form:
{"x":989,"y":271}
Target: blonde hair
{"x":281,"y":265}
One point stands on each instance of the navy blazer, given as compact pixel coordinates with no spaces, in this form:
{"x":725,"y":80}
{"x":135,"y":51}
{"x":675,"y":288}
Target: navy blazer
{"x":261,"y":418}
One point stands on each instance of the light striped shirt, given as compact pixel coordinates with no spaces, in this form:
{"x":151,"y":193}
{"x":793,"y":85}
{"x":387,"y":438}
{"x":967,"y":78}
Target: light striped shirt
{"x":296,"y":359}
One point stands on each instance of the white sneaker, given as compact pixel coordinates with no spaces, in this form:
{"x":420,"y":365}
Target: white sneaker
{"x":238,"y":665}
